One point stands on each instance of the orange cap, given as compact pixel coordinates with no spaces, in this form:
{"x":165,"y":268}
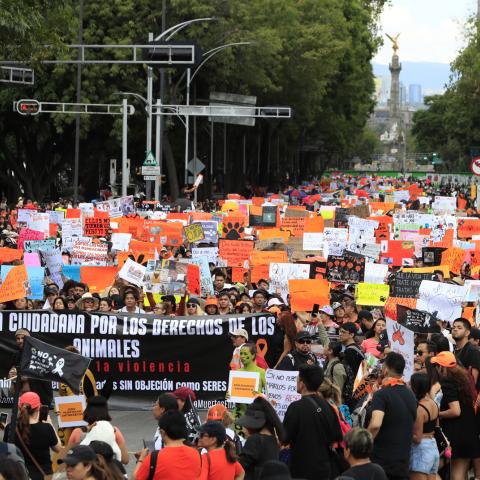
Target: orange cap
{"x":216,"y":412}
{"x":210,"y":301}
{"x":445,"y":359}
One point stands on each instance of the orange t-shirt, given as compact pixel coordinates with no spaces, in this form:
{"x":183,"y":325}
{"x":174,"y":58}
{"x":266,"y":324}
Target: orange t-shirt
{"x":173,"y":463}
{"x":219,"y":468}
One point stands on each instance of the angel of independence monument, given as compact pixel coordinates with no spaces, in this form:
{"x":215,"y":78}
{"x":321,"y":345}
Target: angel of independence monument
{"x":394,"y":137}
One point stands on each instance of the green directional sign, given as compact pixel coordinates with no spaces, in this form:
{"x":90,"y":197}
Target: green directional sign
{"x":150,"y":160}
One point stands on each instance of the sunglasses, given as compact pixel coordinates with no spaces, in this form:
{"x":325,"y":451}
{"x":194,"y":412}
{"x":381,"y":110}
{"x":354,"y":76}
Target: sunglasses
{"x":305,"y":341}
{"x":191,"y":305}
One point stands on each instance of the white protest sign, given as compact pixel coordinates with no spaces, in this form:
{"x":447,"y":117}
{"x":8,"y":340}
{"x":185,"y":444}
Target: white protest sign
{"x":375,"y":273}
{"x":312,"y":241}
{"x":93,"y":254}
{"x":281,"y":389}
{"x":132,"y":272}
{"x":210,"y":253}
{"x":443,"y":299}
{"x":473,"y":292}
{"x":121,"y":241}
{"x":72,"y":230}
{"x":281,"y":273}
{"x":399,"y":195}
{"x":24,"y":215}
{"x":402,"y":342}
{"x":56,"y":216}
{"x":243,"y":386}
{"x":444,"y":204}
{"x":70,"y":410}
{"x":40,"y":222}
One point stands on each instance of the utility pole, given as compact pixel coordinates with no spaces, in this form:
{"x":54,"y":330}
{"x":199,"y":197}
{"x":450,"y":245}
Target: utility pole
{"x":77,"y":119}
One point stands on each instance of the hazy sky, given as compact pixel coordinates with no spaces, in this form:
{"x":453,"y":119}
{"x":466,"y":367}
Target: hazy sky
{"x":431,"y":30}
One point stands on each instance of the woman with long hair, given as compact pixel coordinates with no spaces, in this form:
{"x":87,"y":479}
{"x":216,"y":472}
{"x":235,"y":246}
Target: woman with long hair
{"x":286,"y":323}
{"x":264,"y":432}
{"x":424,"y":457}
{"x":457,"y":415}
{"x":373,"y":338}
{"x":59,"y":304}
{"x":82,"y":463}
{"x":221,"y":460}
{"x":34,"y":437}
{"x":193,"y":307}
{"x":99,"y":427}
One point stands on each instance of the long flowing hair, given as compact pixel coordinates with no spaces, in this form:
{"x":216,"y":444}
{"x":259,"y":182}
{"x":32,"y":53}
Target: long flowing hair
{"x":23,"y":422}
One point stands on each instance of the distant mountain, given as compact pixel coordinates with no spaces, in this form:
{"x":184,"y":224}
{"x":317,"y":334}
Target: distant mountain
{"x":431,"y":76}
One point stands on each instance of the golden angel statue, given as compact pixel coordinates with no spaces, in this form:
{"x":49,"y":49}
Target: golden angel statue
{"x":394,"y":41}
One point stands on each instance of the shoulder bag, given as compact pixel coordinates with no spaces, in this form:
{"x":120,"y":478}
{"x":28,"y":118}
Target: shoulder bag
{"x":32,"y":458}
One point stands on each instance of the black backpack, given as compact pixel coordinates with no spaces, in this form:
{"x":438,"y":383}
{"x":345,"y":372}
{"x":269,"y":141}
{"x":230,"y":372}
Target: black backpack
{"x":347,"y":391}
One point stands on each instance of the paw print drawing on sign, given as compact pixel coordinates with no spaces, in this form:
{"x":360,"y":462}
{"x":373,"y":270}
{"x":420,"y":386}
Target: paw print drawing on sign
{"x":233,"y":231}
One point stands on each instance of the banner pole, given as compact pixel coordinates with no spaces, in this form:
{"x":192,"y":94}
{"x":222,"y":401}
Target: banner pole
{"x":13,"y":419}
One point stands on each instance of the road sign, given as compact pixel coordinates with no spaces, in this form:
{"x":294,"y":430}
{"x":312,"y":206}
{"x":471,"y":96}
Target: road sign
{"x":28,"y":107}
{"x":195,"y":166}
{"x":151,"y":177}
{"x":150,"y":170}
{"x":475,"y":166}
{"x":150,"y":160}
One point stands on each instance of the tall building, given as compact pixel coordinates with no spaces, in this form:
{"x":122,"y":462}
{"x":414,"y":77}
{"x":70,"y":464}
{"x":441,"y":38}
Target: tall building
{"x":403,"y":94}
{"x":415,"y":94}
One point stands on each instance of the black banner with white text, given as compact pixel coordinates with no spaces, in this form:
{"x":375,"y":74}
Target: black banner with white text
{"x":142,"y":354}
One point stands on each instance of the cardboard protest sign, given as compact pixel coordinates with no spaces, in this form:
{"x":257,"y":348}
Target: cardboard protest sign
{"x":442,"y":299}
{"x":281,"y":389}
{"x":40,"y":223}
{"x":402,"y":342}
{"x":194,"y":232}
{"x":96,"y":227}
{"x":72,"y":230}
{"x":305,"y":293}
{"x":243,"y":386}
{"x":162,"y":232}
{"x":166,"y":277}
{"x":70,"y":410}
{"x":346,"y":269}
{"x":15,"y":285}
{"x":258,"y":257}
{"x":132,"y":272}
{"x":407,"y":284}
{"x":294,"y":225}
{"x":28,"y":234}
{"x":234,"y":227}
{"x":210,"y":253}
{"x":314,"y":224}
{"x":390,"y":307}
{"x":443,"y":268}
{"x":235,"y":252}
{"x":372,"y":294}
{"x":417,"y":321}
{"x":467,"y":227}
{"x":454,"y":258}
{"x":269,"y":233}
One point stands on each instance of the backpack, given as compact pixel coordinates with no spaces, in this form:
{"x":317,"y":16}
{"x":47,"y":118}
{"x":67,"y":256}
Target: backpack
{"x":347,"y":390}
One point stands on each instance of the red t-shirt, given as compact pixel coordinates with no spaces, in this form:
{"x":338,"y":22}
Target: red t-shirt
{"x":173,"y":463}
{"x":219,"y":468}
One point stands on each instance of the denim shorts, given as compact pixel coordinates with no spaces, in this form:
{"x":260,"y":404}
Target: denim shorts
{"x":424,"y":457}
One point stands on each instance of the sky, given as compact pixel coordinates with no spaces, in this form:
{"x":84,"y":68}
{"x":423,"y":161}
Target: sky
{"x":431,"y":30}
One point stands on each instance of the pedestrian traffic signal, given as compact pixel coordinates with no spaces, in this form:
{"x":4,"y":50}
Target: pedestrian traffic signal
{"x":28,"y":107}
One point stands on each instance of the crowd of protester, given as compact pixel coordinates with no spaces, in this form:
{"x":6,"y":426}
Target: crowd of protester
{"x":421,"y":429}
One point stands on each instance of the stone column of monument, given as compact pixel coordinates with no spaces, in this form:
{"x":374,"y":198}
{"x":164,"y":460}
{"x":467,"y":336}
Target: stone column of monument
{"x":395,"y":69}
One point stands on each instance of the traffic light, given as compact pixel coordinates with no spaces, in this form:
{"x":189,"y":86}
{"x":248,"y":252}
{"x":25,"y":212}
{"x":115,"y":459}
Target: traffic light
{"x":175,"y":53}
{"x":28,"y":107}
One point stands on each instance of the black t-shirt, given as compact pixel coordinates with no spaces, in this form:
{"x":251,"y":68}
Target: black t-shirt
{"x":369,"y":471}
{"x":42,"y":438}
{"x":469,"y":357}
{"x":295,"y":359}
{"x":257,"y":450}
{"x":393,"y":443}
{"x":310,"y":436}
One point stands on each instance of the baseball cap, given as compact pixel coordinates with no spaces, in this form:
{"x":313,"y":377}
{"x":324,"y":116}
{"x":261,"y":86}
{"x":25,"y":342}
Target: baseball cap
{"x":213,"y":429}
{"x":327,"y":309}
{"x":444,"y":359}
{"x":29,"y":398}
{"x":241,"y":332}
{"x":274,"y":301}
{"x":183,"y":393}
{"x":216,"y":412}
{"x":80,"y":453}
{"x":260,"y":291}
{"x":194,"y":301}
{"x":303,"y":334}
{"x":336,"y":305}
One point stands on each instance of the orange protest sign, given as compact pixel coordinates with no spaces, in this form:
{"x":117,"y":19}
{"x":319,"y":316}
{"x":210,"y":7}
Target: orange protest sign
{"x":467,"y":227}
{"x":197,"y":216}
{"x":267,"y":233}
{"x":178,"y":216}
{"x":100,"y":214}
{"x":73,"y":213}
{"x":425,"y":231}
{"x":383,"y":207}
{"x":235,"y":252}
{"x":295,"y":225}
{"x":238,"y":274}
{"x":138,"y":245}
{"x":159,"y":231}
{"x":314,"y":224}
{"x":258,"y":257}
{"x":454,"y":258}
{"x":400,"y":252}
{"x":259,"y":272}
{"x":306,"y":293}
{"x":98,"y":278}
{"x":133,"y":225}
{"x":15,"y":284}
{"x":392,"y":302}
{"x":446,"y":242}
{"x":469,"y":314}
{"x":138,"y":256}
{"x":9,"y":254}
{"x":258,"y":201}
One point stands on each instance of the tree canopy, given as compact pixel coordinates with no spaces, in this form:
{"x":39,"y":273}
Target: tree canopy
{"x":312,"y":55}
